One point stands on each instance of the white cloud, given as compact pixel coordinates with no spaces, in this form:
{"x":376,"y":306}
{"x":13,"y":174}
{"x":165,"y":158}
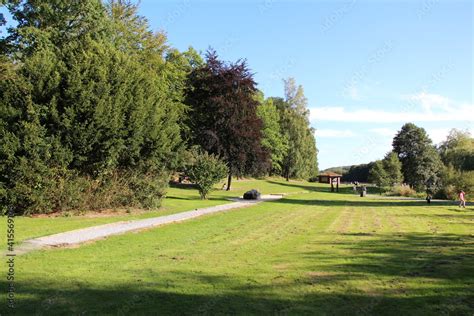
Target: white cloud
{"x":437,"y":135}
{"x":429,"y":102}
{"x":334,"y":133}
{"x":383,"y":131}
{"x":434,"y":109}
{"x":353,"y":92}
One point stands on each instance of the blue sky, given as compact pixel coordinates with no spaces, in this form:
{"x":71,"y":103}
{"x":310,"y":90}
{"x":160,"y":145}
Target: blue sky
{"x":367,"y":67}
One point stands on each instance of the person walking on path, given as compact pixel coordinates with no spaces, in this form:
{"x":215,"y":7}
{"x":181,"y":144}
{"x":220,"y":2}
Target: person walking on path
{"x":462,"y":199}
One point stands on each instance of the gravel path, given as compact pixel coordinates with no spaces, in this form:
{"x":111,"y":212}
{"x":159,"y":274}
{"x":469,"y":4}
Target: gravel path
{"x":79,"y":236}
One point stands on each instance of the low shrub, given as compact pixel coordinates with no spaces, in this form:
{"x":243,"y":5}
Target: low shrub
{"x":65,"y":191}
{"x":206,"y":171}
{"x":402,"y":190}
{"x":454,"y":181}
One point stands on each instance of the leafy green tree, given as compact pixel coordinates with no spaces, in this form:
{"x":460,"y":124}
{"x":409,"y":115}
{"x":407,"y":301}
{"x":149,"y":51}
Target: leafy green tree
{"x":457,"y":153}
{"x":300,"y":160}
{"x":458,"y":150}
{"x":393,"y":168}
{"x":386,"y":172}
{"x":206,"y":171}
{"x":378,"y":175}
{"x":273,"y":140}
{"x":295,"y":98}
{"x":455,"y":180}
{"x":223,"y":118}
{"x":421,"y":164}
{"x":358,"y":173}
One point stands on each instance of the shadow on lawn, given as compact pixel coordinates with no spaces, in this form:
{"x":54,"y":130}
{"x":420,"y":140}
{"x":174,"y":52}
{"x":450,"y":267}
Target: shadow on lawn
{"x":442,"y":265}
{"x":442,"y":216}
{"x":363,"y":202}
{"x":129,"y":300}
{"x":324,"y":187}
{"x":309,"y":187}
{"x":436,"y":256}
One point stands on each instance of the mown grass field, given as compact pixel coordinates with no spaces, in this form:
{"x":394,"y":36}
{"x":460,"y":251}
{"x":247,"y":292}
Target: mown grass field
{"x":313,"y":253}
{"x":177,"y":200}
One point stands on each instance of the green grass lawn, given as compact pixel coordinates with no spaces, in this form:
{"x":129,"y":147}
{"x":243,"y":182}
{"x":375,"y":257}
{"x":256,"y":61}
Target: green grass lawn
{"x":314,"y":253}
{"x":177,"y":200}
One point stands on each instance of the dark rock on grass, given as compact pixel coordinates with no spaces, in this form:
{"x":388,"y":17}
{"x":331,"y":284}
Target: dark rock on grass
{"x":252,"y":195}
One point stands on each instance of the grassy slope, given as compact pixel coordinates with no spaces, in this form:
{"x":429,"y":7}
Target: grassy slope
{"x":316,"y":253}
{"x":178,"y":200}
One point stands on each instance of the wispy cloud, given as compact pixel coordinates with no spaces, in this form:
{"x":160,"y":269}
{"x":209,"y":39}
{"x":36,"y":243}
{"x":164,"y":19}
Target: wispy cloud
{"x":353,"y":92}
{"x":430,"y":102}
{"x":437,"y":135}
{"x":334,"y":133}
{"x":430,"y":108}
{"x":383,"y":131}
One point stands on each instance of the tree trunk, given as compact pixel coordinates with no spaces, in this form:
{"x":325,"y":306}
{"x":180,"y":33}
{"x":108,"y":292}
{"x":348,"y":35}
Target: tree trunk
{"x":229,"y":180}
{"x":287,"y":175}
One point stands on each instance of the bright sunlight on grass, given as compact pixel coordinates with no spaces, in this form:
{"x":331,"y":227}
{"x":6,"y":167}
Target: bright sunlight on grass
{"x":315,"y":253}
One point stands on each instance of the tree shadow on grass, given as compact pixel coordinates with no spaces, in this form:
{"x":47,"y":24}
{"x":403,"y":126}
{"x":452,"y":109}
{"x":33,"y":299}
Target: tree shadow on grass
{"x":137,"y":300}
{"x":435,"y":256}
{"x":301,"y":186}
{"x":442,"y":265}
{"x":442,"y":216}
{"x":363,"y":202}
{"x":322,"y":187}
{"x":184,"y":186}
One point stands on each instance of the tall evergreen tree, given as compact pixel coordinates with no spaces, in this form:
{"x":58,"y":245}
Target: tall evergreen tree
{"x":102,"y":91}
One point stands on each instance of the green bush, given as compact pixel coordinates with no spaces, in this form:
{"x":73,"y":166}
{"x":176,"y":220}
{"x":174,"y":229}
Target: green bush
{"x":402,"y":190}
{"x":454,"y":181}
{"x":64,"y":190}
{"x":206,"y":171}
{"x":147,"y":190}
{"x":88,"y":119}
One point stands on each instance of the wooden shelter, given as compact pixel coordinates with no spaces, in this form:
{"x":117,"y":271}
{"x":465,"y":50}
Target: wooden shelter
{"x":330,"y":177}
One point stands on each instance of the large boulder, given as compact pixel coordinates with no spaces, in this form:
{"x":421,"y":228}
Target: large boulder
{"x":252,"y":195}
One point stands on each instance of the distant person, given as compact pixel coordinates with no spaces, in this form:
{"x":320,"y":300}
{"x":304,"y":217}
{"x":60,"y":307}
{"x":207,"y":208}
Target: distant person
{"x":428,"y":198}
{"x":462,"y":199}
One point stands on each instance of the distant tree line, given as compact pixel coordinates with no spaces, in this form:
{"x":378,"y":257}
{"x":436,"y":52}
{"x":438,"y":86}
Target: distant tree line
{"x":441,"y":171}
{"x":98,"y":111}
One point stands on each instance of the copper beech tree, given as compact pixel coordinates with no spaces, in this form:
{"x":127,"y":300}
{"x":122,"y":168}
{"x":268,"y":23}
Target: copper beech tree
{"x":222,"y":118}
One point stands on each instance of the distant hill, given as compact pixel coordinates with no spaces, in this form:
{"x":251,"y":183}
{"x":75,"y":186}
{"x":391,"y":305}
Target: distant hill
{"x":340,"y":170}
{"x":353,"y":173}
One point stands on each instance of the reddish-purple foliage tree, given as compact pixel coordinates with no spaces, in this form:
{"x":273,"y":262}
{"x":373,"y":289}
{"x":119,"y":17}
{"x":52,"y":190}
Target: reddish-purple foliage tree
{"x":222,"y":115}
